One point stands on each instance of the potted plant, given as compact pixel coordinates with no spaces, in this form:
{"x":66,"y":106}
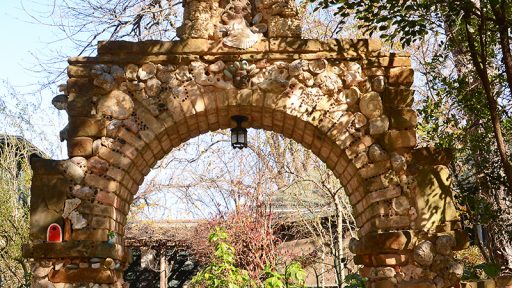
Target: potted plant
{"x":111,"y":236}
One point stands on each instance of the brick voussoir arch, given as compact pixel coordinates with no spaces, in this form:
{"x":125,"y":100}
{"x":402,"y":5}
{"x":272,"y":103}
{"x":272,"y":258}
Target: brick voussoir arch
{"x":357,"y":145}
{"x":345,"y":100}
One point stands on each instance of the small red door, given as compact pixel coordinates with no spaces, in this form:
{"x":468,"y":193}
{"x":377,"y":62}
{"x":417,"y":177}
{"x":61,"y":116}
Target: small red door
{"x":54,"y":234}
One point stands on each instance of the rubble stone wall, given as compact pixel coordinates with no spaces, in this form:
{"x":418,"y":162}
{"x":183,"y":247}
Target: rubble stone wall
{"x":346,"y":100}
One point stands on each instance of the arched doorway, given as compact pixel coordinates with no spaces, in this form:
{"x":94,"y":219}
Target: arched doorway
{"x":345,"y":100}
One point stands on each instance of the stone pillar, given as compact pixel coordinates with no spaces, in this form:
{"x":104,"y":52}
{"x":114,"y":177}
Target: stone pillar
{"x":75,"y":260}
{"x":422,"y":256}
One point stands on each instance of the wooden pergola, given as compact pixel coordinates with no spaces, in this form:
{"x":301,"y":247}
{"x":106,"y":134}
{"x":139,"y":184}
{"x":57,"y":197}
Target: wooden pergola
{"x":161,"y":236}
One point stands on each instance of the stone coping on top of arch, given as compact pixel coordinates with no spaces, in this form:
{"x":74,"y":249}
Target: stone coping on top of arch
{"x":157,"y":51}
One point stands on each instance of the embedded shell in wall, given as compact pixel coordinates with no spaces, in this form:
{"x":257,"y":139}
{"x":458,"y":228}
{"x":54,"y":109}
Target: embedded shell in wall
{"x":279,"y":72}
{"x":423,"y":253}
{"x":217,"y":67}
{"x":239,"y":33}
{"x":242,"y":40}
{"x":379,"y":84}
{"x":116,"y":104}
{"x":401,"y":205}
{"x":328,"y":82}
{"x":297,"y":67}
{"x":306,"y":78}
{"x":318,"y":66}
{"x":354,"y":74}
{"x":352,"y":95}
{"x":371,"y":105}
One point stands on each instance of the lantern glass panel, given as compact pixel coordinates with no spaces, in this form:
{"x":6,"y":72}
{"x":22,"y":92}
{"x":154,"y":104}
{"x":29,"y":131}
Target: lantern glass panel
{"x":241,"y":137}
{"x":233,"y":136}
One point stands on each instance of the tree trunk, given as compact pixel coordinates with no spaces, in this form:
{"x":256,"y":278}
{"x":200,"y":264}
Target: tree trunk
{"x":503,"y":31}
{"x":479,"y":63}
{"x":492,"y":105}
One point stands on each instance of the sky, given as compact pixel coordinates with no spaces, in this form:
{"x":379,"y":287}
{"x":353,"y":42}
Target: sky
{"x":23,"y":41}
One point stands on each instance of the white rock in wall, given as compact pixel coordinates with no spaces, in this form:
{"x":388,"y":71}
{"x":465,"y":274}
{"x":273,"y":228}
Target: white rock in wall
{"x":58,"y":265}
{"x":217,"y":67}
{"x":376,"y":153}
{"x":99,"y":69}
{"x":456,"y":269}
{"x":82,"y":192}
{"x":439,"y":282}
{"x":379,"y":84}
{"x":40,"y":271}
{"x":130,"y":72}
{"x":306,"y":78}
{"x":77,"y":220}
{"x":153,"y":87}
{"x":423,"y":253}
{"x":105,"y":81}
{"x":72,"y":171}
{"x":117,"y":72}
{"x":297,"y":67}
{"x":112,"y":129}
{"x":164,"y":73}
{"x":148,"y":258}
{"x":370,"y":105}
{"x":379,"y":125}
{"x":398,"y":162}
{"x":383,"y":272}
{"x":80,"y":162}
{"x":147,"y":71}
{"x":69,"y":206}
{"x":43,"y":283}
{"x":116,"y":104}
{"x":411,"y":272}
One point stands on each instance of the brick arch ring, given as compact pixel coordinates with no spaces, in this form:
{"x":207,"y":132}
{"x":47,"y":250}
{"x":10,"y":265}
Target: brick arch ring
{"x":345,"y":100}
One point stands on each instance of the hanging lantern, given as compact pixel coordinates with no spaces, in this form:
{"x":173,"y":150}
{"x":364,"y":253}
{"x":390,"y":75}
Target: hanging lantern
{"x":239,"y":133}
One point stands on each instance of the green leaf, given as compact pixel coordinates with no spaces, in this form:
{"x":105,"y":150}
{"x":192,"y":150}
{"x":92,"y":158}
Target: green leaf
{"x":492,"y":270}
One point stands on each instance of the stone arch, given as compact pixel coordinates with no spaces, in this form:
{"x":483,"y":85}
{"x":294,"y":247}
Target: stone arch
{"x":340,"y":134}
{"x":347,"y":101}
